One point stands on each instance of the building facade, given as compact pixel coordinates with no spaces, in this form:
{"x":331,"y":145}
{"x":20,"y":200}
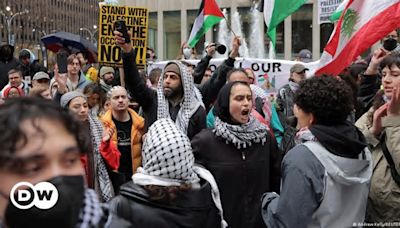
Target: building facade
{"x":24,"y":22}
{"x":170,"y":24}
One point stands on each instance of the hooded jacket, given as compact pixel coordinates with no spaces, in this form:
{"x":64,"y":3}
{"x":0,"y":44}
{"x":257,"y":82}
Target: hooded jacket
{"x":384,"y":195}
{"x":324,"y":183}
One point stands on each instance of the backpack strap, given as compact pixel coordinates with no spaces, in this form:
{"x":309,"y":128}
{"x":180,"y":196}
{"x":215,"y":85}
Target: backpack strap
{"x":389,"y":159}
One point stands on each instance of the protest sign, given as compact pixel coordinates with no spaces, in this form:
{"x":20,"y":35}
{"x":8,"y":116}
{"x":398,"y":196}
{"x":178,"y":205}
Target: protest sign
{"x":272,"y":73}
{"x":325,"y":9}
{"x":136,"y":20}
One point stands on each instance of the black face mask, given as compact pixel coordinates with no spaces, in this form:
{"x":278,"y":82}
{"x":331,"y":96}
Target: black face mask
{"x":64,"y":214}
{"x":390,"y":44}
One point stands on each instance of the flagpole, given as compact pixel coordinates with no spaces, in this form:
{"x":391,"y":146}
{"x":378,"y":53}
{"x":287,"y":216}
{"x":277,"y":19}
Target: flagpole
{"x":229,"y":27}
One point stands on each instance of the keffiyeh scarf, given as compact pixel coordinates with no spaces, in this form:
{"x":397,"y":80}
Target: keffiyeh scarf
{"x":167,"y":157}
{"x":192,"y":99}
{"x":101,"y":174}
{"x":91,"y":213}
{"x":168,"y":161}
{"x":241,"y":136}
{"x":304,"y":135}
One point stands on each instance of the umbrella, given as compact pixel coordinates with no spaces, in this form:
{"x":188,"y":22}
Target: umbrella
{"x":71,"y":43}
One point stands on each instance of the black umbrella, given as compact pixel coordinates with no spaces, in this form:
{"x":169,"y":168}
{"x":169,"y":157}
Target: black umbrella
{"x":71,"y":43}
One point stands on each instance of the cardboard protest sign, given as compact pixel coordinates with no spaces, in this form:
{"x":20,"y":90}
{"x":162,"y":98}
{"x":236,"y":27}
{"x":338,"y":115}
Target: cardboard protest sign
{"x":136,"y":20}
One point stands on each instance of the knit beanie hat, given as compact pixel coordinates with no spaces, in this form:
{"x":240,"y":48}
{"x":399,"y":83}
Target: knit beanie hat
{"x":66,"y":98}
{"x":104,"y":70}
{"x":172,"y":67}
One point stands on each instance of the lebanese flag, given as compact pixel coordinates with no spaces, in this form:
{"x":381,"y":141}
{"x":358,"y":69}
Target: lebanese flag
{"x":209,"y":15}
{"x":362,"y":24}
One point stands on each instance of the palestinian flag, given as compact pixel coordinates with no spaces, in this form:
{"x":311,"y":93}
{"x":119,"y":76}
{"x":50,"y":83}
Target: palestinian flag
{"x":209,"y":15}
{"x":362,"y":24}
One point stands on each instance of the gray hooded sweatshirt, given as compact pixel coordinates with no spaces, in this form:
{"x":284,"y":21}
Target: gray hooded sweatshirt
{"x":319,"y":189}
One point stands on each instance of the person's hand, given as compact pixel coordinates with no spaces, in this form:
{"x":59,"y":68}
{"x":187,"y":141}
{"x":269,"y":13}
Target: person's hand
{"x":107,"y":134}
{"x":376,"y":128}
{"x":210,"y":49}
{"x":376,"y":59}
{"x":393,"y":108}
{"x":61,"y":80}
{"x":235,"y":47}
{"x":120,"y":42}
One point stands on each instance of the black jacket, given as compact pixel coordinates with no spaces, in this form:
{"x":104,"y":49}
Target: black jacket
{"x":209,"y":90}
{"x":147,"y":98}
{"x":194,"y":208}
{"x":369,"y":86}
{"x":242,"y":175}
{"x":200,"y":69}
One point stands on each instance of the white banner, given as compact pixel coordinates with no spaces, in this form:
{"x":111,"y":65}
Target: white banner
{"x":276,"y":71}
{"x":325,"y":9}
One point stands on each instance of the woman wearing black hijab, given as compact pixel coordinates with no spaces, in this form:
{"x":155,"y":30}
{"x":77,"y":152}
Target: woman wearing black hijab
{"x":241,"y":154}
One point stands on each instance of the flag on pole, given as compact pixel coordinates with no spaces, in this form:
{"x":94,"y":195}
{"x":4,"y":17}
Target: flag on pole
{"x":363,"y":23}
{"x":209,"y":14}
{"x":275,"y":11}
{"x":339,"y":10}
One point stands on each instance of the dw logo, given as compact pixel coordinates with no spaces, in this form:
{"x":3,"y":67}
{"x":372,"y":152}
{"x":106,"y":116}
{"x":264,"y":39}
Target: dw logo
{"x":43,"y":195}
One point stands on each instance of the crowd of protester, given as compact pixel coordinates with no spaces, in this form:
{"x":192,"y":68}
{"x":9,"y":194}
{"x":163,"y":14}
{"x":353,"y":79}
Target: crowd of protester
{"x":187,"y":147}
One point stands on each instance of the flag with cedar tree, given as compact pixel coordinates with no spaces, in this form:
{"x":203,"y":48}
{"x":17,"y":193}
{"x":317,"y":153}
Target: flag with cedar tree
{"x":362,"y":23}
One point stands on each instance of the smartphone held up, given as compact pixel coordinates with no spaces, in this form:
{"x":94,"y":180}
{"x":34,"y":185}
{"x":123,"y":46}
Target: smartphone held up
{"x":120,"y":26}
{"x":62,"y":62}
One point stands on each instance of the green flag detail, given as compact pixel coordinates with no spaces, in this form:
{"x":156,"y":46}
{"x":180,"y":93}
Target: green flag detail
{"x":275,"y":12}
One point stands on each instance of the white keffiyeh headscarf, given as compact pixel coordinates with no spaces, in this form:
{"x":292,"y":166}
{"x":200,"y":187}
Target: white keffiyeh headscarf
{"x":166,"y":156}
{"x":192,"y":98}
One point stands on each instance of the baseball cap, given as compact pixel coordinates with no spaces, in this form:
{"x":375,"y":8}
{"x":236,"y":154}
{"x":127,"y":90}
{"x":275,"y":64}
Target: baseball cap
{"x":298,"y":68}
{"x":305,"y":55}
{"x":41,"y":75}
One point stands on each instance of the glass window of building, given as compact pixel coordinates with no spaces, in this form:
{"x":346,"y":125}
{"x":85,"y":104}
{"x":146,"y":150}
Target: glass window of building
{"x":326,"y":31}
{"x":172,"y":34}
{"x":152,"y":31}
{"x":302,"y":29}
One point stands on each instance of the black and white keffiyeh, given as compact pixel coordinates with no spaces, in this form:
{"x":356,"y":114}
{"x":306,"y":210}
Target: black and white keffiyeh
{"x":192,"y":98}
{"x":243,"y":135}
{"x":168,"y":161}
{"x":101,"y":174}
{"x":91,"y":212}
{"x":167,"y":157}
